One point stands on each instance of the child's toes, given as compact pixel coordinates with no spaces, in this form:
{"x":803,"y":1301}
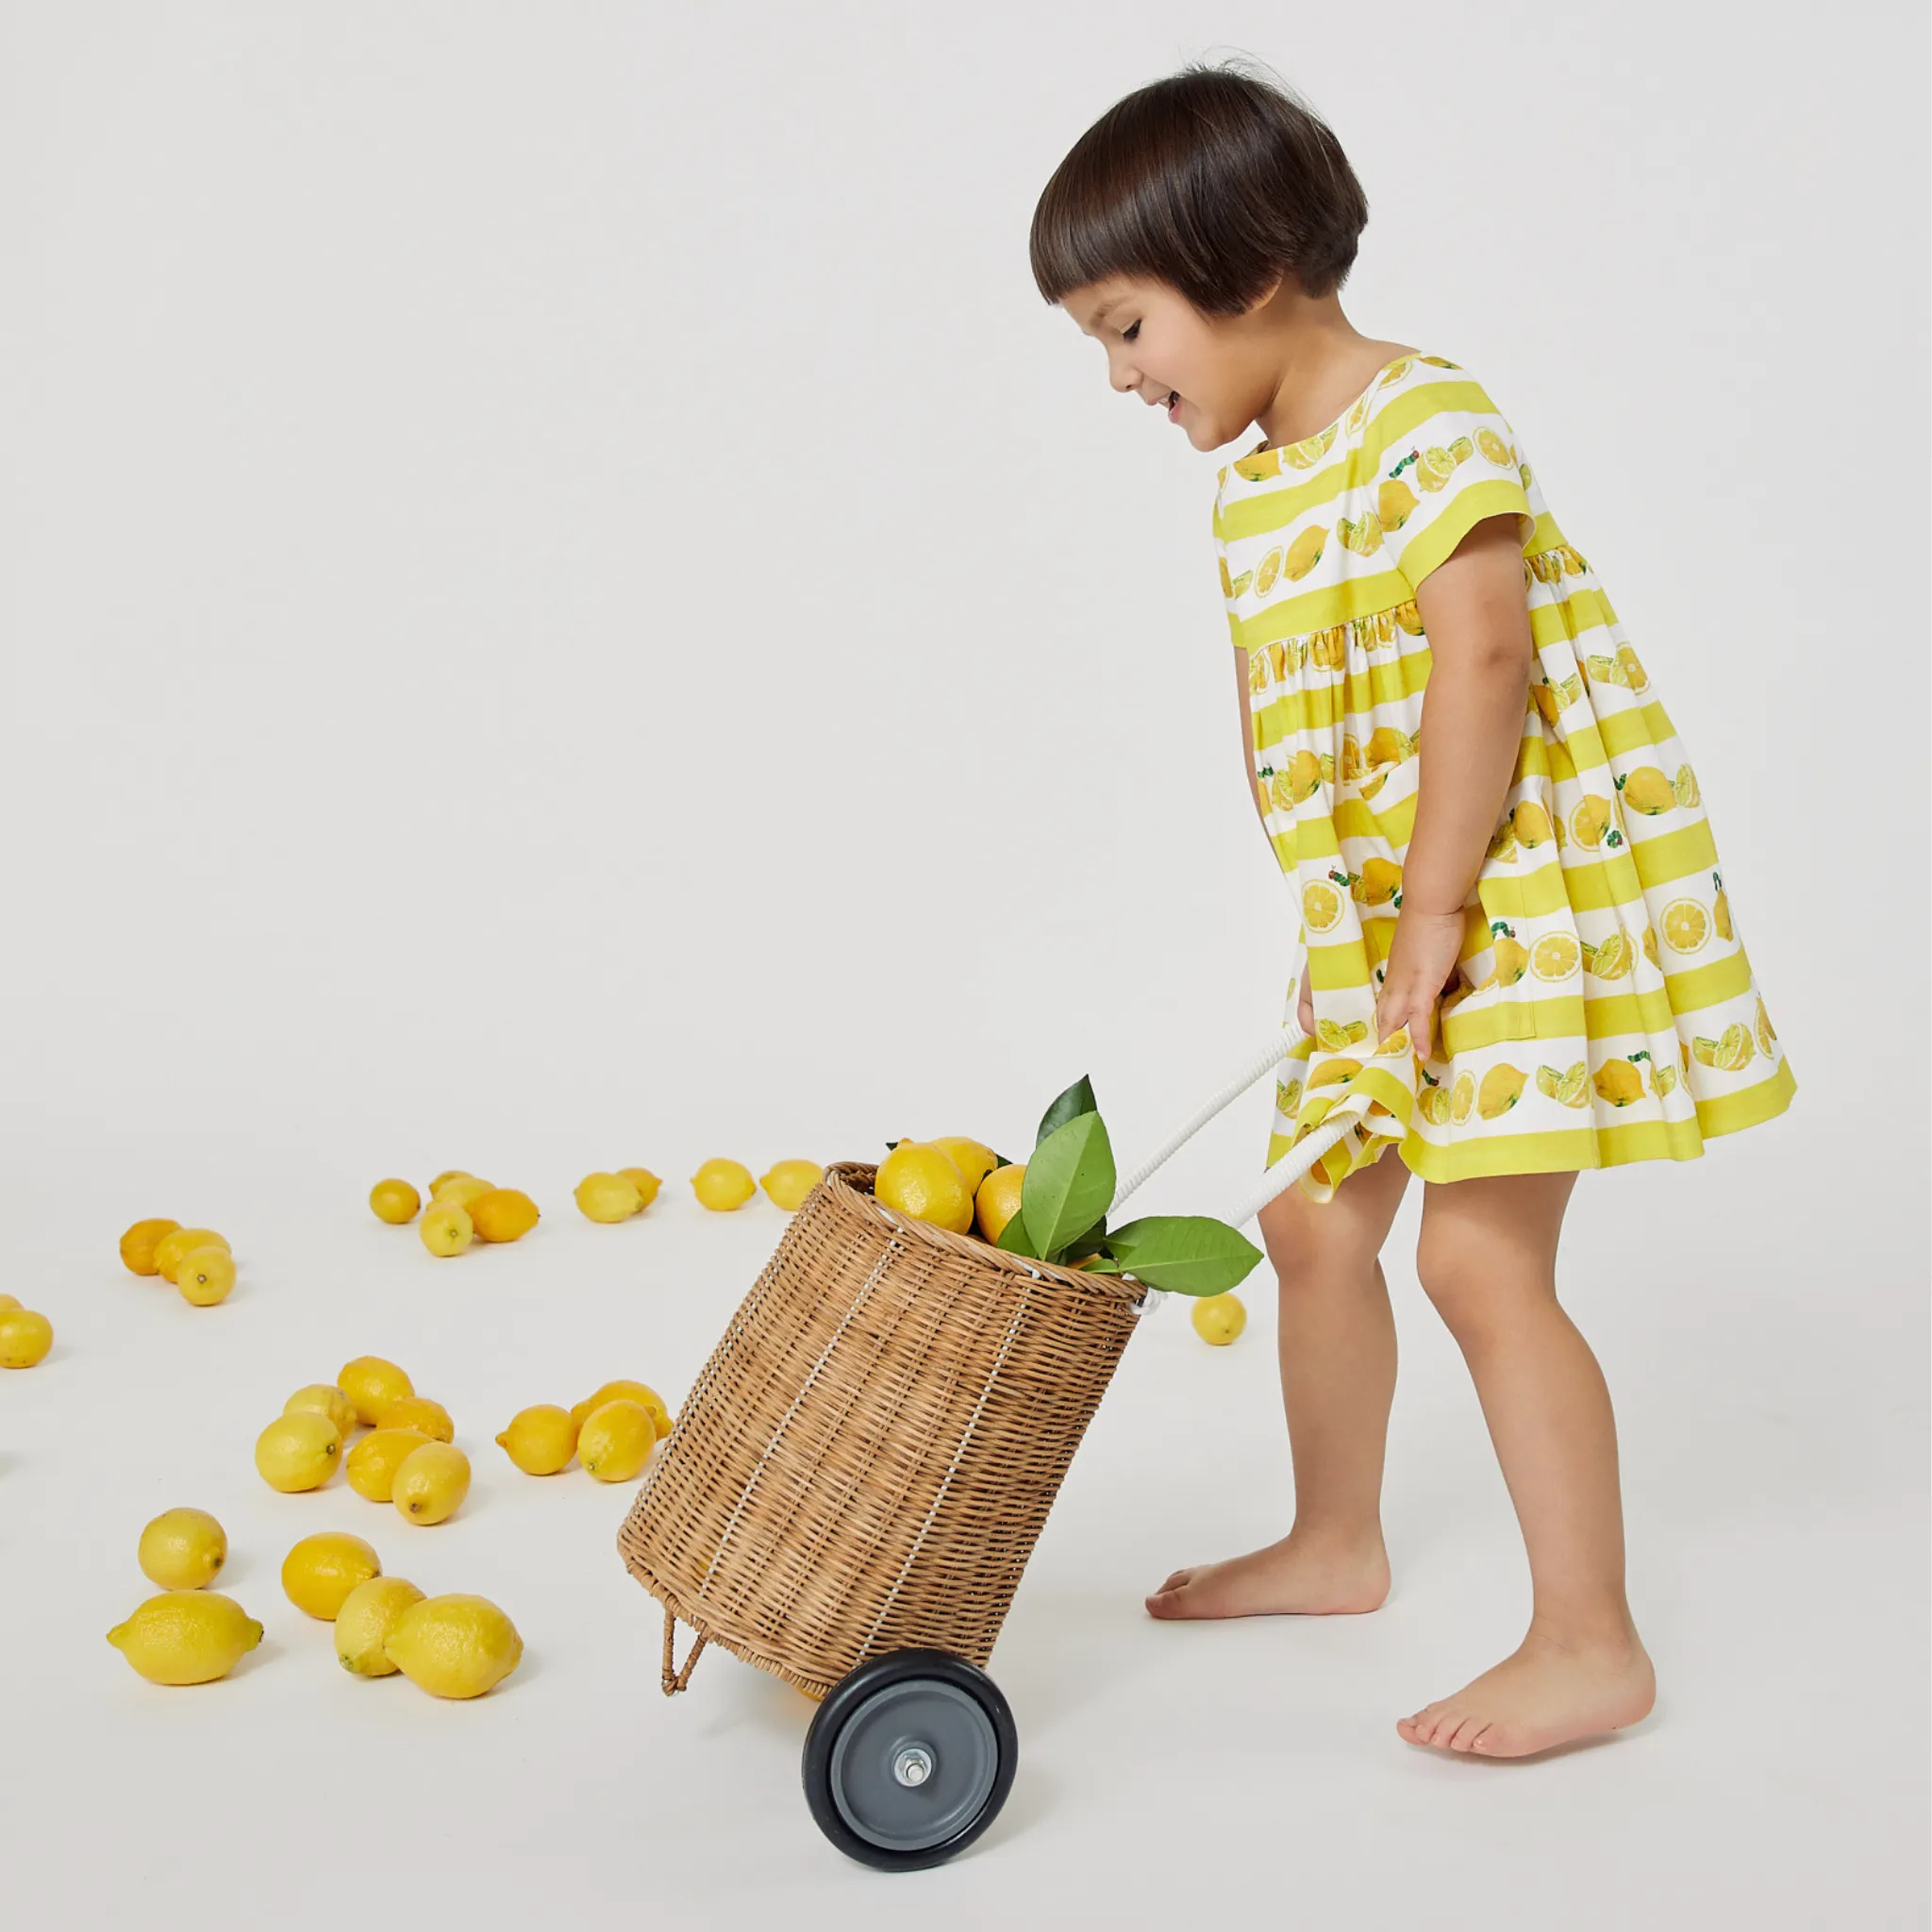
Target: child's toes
{"x":1463,"y":1737}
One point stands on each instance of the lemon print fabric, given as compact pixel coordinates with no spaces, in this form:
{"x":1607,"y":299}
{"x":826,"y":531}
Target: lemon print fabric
{"x":1605,"y":1009}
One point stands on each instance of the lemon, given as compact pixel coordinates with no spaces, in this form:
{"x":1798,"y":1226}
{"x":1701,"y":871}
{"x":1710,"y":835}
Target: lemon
{"x":1462,"y":1100}
{"x":374,"y":1461}
{"x":502,"y":1214}
{"x":431,"y":1482}
{"x":608,"y":1197}
{"x":1663,"y":1080}
{"x":644,"y":1180}
{"x":1462,"y":449}
{"x":205,"y":1276}
{"x":1309,"y":451}
{"x":1734,"y":1050}
{"x":418,"y":1412}
{"x":1435,"y":1106}
{"x":1436,"y":467}
{"x":453,"y":1646}
{"x":1612,"y":960}
{"x":1219,"y":1318}
{"x":1766,"y":1031}
{"x":1646,"y":790}
{"x":791,"y":1181}
{"x":1267,"y":570}
{"x":998,"y":1199}
{"x":1650,"y":944}
{"x":320,"y":1570}
{"x":1502,"y":1088}
{"x":448,"y":1175}
{"x":1304,"y":553}
{"x":328,"y":1400}
{"x":367,"y":1615}
{"x":921,"y":1181}
{"x":724,"y":1185}
{"x":447,"y":1229}
{"x":629,"y":1391}
{"x":1684,"y":786}
{"x":186,"y":1637}
{"x":616,"y":1440}
{"x":139,"y":1243}
{"x":1303,"y":777}
{"x":1619,"y":1082}
{"x":973,"y":1159}
{"x":298,"y":1451}
{"x":372,"y":1384}
{"x":1686,"y":926}
{"x":1556,"y":956}
{"x":1332,"y":1071}
{"x":1394,"y":501}
{"x":1494,"y":448}
{"x":1381,"y":878}
{"x":1321,"y":905}
{"x":1720,"y":914}
{"x":395,"y":1202}
{"x":1589,"y":820}
{"x":8,"y":1301}
{"x":182,"y":1240}
{"x":460,"y":1192}
{"x":25,"y":1337}
{"x":1512,"y":961}
{"x":541,"y":1440}
{"x":182,"y":1549}
{"x":1532,"y":824}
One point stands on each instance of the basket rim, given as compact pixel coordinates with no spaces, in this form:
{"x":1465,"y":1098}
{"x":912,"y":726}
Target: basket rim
{"x":840,"y":1174}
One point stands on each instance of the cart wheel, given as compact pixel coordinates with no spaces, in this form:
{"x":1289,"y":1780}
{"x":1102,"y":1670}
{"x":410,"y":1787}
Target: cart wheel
{"x":910,"y":1759}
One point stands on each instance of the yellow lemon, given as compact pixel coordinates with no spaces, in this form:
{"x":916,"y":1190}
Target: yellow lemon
{"x":1686,"y":926}
{"x":1309,"y":451}
{"x":1619,"y":1082}
{"x":1502,"y":1088}
{"x":1729,"y":1055}
{"x":1329,"y":649}
{"x":182,"y":1549}
{"x":629,"y":1391}
{"x":394,"y":1202}
{"x":182,"y":1241}
{"x":788,"y":1182}
{"x":205,"y":1276}
{"x":298,"y":1451}
{"x":1532,"y":824}
{"x":1496,"y":449}
{"x":1363,"y":538}
{"x":453,"y":1646}
{"x":998,"y":1199}
{"x":1612,"y":960}
{"x":1589,"y":820}
{"x":1650,"y":944}
{"x":616,"y":1440}
{"x":1304,"y":553}
{"x":1511,"y":961}
{"x":1662,"y":1079}
{"x":1435,"y":1104}
{"x":1321,"y":905}
{"x":1387,"y":746}
{"x":1556,"y":956}
{"x":1334,"y":1073}
{"x":1633,"y":668}
{"x":1396,"y":1044}
{"x":1720,"y":914}
{"x":1381,"y":878}
{"x":460,"y":1192}
{"x":1462,"y":449}
{"x":1394,"y":501}
{"x":320,"y":1570}
{"x":363,"y":1623}
{"x":447,"y":1229}
{"x":448,"y":1175}
{"x":1462,"y":1101}
{"x":139,"y":1243}
{"x":1288,"y":1096}
{"x":1434,"y":468}
{"x":1219,"y":1318}
{"x":1303,"y":777}
{"x":541,"y":1440}
{"x":1646,"y":790}
{"x":373,"y":1462}
{"x":644,"y":1180}
{"x":1409,"y":618}
{"x":922,"y":1182}
{"x":431,"y":1482}
{"x":8,"y":1301}
{"x":1766,"y":1031}
{"x":370,"y":1383}
{"x":325,"y":1398}
{"x":186,"y":1637}
{"x":1604,"y":669}
{"x":502,"y":1214}
{"x":25,"y":1335}
{"x":724,"y":1185}
{"x":419,"y":1413}
{"x":1684,"y":786}
{"x":608,"y":1198}
{"x":973,"y":1159}
{"x":1267,"y":570}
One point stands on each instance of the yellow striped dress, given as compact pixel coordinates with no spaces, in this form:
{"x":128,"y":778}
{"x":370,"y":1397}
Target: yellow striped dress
{"x":1605,"y":1009}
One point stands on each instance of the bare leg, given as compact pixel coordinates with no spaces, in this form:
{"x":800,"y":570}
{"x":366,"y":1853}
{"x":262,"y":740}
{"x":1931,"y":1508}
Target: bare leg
{"x":1338,"y":1380}
{"x":1487,"y":1262}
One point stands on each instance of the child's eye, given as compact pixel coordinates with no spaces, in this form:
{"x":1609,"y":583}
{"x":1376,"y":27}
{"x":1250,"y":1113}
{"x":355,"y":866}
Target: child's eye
{"x":1127,"y":335}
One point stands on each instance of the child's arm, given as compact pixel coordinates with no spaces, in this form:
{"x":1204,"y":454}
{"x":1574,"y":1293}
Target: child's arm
{"x":1477,"y":618}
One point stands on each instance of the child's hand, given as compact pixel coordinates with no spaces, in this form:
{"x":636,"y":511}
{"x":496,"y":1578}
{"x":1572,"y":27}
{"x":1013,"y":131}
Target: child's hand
{"x":1305,"y":1008}
{"x":1421,"y":963}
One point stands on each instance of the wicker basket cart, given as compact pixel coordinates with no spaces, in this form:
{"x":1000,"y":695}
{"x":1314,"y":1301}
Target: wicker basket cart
{"x":860,"y":1473}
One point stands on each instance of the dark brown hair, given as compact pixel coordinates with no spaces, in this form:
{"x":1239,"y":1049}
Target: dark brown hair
{"x":1214,"y":181}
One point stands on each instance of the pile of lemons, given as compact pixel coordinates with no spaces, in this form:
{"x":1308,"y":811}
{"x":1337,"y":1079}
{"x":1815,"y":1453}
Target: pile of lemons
{"x":197,"y":1261}
{"x":453,"y":1646}
{"x":611,"y":1433}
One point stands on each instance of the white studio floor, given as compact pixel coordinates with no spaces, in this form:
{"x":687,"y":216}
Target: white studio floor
{"x":1774,"y":1486}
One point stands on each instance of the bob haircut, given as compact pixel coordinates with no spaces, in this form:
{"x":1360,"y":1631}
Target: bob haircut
{"x":1216,"y":182}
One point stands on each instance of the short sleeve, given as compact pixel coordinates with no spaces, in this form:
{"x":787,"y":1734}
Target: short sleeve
{"x":1459,"y":465}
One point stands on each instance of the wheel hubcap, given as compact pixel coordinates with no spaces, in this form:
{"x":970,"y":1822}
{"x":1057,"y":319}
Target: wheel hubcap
{"x":914,"y":1765}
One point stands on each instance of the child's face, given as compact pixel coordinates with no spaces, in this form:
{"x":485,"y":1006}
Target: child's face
{"x":1158,"y":343}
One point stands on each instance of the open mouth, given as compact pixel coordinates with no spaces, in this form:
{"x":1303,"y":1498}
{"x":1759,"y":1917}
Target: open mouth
{"x":1173,"y":404}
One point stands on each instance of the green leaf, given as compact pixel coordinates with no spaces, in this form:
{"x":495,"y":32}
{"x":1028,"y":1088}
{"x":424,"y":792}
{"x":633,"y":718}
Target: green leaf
{"x":1014,"y":1239}
{"x":1093,"y":1237}
{"x":1069,"y":1184}
{"x":1185,"y":1254}
{"x":1076,"y":1100}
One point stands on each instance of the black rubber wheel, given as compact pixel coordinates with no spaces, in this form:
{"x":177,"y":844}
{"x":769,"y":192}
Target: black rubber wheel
{"x":910,"y":1759}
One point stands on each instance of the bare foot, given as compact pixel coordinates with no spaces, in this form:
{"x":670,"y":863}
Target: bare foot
{"x":1288,"y":1578}
{"x":1546,"y":1694}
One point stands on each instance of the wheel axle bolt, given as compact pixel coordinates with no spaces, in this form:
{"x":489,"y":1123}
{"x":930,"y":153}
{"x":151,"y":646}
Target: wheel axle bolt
{"x":913,"y":1765}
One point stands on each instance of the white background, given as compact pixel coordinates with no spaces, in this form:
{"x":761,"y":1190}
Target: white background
{"x":566,"y":603}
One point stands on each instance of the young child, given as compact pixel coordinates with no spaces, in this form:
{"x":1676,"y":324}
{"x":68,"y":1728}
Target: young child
{"x":1520,"y":958}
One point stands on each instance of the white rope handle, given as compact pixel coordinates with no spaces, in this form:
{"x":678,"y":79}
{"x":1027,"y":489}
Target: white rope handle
{"x":1278,"y":1179}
